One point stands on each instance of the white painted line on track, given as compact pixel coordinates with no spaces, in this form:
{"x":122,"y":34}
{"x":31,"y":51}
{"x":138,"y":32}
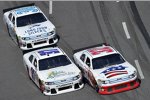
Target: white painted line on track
{"x":50,"y":7}
{"x":139,"y":69}
{"x":126,"y":30}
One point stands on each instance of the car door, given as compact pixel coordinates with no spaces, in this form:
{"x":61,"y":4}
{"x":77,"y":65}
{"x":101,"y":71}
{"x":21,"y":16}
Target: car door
{"x":87,"y":65}
{"x":34,"y":70}
{"x":29,"y":64}
{"x":83,"y":66}
{"x":89,"y":74}
{"x":81,"y":63}
{"x":13,"y":28}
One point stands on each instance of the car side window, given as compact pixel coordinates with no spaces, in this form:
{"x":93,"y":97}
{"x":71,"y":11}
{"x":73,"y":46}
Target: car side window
{"x":13,"y":20}
{"x":31,"y":58}
{"x":82,"y":57}
{"x":35,"y":63}
{"x":88,"y":62}
{"x":10,"y":16}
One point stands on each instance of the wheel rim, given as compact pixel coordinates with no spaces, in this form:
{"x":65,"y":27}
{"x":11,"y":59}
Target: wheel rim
{"x":96,"y":88}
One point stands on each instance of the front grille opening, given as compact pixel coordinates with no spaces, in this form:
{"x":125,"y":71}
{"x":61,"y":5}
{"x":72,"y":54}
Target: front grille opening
{"x":76,"y":86}
{"x":51,"y":41}
{"x":53,"y":91}
{"x":39,"y":42}
{"x":132,"y":84}
{"x":29,"y":45}
{"x":110,"y":89}
{"x":64,"y":88}
{"x":120,"y":86}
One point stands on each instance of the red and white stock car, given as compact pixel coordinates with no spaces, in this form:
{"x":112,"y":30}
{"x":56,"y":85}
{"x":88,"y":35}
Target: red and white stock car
{"x":106,"y":69}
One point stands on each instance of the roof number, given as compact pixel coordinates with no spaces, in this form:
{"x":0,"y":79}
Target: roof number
{"x":26,"y":10}
{"x":97,"y":51}
{"x":47,"y":52}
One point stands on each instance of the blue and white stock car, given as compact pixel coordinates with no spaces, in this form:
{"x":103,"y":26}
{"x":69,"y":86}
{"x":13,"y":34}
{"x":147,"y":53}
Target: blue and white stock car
{"x":29,"y":27}
{"x":53,"y":71}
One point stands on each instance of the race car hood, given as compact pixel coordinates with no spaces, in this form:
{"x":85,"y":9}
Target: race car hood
{"x":34,"y":29}
{"x":59,"y":73}
{"x":115,"y":71}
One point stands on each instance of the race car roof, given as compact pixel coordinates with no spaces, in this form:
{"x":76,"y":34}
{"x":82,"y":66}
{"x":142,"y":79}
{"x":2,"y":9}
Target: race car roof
{"x":48,"y":52}
{"x":101,"y":51}
{"x":26,"y":11}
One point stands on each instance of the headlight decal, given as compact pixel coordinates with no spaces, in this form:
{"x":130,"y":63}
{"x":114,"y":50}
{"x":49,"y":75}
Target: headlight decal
{"x":75,"y":78}
{"x":49,"y":83}
{"x":26,"y":38}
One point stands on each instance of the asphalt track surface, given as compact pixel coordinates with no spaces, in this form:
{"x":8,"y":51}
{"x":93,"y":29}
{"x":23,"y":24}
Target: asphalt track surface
{"x":79,"y":25}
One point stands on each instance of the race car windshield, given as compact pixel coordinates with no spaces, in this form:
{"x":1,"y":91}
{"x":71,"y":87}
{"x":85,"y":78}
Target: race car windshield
{"x":108,"y":60}
{"x":30,"y":19}
{"x":53,"y":62}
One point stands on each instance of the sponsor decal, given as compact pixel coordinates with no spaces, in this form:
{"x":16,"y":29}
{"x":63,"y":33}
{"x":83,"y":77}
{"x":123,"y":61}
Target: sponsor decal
{"x":54,"y":74}
{"x":26,"y":10}
{"x":97,"y":51}
{"x":33,"y":30}
{"x":47,"y":52}
{"x":114,"y":71}
{"x":91,"y":78}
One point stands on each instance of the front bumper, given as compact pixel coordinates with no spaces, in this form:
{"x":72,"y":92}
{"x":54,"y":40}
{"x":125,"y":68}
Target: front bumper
{"x":39,"y":43}
{"x":119,"y":87}
{"x":73,"y":86}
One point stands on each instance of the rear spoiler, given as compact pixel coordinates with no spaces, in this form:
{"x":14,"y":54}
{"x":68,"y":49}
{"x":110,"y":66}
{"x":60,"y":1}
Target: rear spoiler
{"x":101,"y":44}
{"x":5,"y":10}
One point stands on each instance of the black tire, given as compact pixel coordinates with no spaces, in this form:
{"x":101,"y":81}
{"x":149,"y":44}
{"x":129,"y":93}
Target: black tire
{"x":96,"y":88}
{"x":84,"y":80}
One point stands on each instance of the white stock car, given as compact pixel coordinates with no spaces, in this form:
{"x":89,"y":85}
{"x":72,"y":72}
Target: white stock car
{"x":106,"y":69}
{"x":53,"y":71}
{"x":29,"y":27}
